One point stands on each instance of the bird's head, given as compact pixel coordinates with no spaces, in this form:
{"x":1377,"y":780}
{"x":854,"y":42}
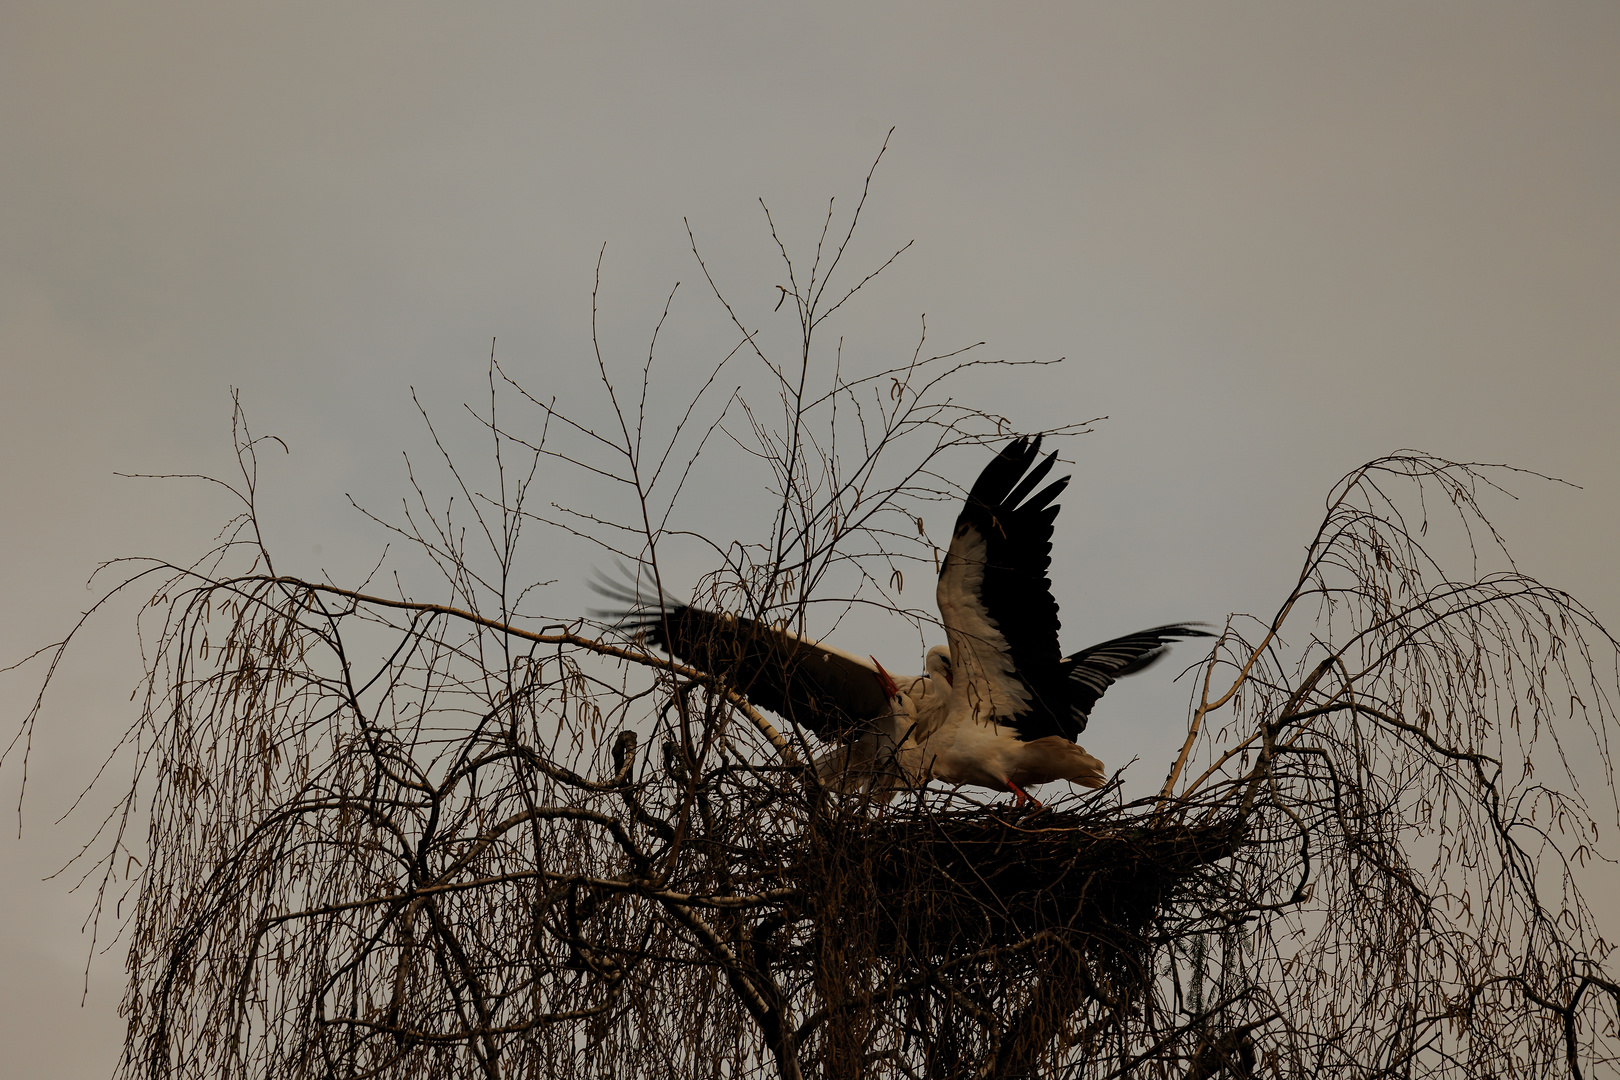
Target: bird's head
{"x":938,"y":663}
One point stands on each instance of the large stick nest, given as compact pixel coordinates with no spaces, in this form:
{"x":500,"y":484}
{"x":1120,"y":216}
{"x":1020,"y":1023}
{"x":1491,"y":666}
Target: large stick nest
{"x":943,"y":885}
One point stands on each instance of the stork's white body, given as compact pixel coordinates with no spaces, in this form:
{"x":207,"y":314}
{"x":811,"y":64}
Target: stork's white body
{"x":970,"y":749}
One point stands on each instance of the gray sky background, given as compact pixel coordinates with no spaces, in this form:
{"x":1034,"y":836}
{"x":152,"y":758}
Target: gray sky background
{"x":1272,"y":240}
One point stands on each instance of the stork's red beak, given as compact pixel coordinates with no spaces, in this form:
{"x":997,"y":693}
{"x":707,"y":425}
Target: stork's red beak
{"x":884,"y":680}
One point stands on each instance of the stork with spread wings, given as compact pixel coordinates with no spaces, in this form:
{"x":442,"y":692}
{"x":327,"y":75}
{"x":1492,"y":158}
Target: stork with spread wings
{"x":999,"y":705}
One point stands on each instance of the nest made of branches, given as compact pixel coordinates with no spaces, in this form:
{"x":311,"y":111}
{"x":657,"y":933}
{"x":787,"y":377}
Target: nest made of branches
{"x":946,"y":884}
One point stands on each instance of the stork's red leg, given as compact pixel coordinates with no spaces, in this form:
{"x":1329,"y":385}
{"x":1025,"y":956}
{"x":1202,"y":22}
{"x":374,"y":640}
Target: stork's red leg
{"x":1020,"y":796}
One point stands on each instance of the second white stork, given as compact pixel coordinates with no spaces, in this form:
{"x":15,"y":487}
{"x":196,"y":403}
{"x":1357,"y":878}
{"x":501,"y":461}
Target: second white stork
{"x":1012,"y":706}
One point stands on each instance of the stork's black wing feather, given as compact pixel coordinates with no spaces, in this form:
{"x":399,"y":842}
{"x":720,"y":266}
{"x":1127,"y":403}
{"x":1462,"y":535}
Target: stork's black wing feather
{"x":824,"y":690}
{"x":994,"y":595}
{"x":1090,"y":672}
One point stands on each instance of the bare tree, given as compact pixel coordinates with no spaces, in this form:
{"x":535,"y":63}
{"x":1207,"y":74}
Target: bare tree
{"x":421,"y":833}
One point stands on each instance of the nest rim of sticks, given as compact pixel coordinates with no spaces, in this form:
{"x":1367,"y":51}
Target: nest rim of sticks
{"x":941,"y":884}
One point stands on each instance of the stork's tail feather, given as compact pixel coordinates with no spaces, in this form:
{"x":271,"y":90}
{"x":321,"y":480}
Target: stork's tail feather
{"x":1088,"y":771}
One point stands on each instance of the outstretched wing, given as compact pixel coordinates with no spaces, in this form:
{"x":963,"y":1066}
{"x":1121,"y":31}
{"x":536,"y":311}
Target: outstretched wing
{"x":825,"y":690}
{"x":1090,"y":672}
{"x":994,"y":596}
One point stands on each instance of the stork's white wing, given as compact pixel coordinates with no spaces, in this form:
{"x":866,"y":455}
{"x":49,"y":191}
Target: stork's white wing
{"x":994,"y":596}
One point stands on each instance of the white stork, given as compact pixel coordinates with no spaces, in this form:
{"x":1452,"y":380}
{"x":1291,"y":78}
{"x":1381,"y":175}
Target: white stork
{"x":999,"y":706}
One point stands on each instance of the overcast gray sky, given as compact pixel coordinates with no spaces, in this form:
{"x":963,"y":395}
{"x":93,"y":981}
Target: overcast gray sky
{"x":1272,"y":240}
